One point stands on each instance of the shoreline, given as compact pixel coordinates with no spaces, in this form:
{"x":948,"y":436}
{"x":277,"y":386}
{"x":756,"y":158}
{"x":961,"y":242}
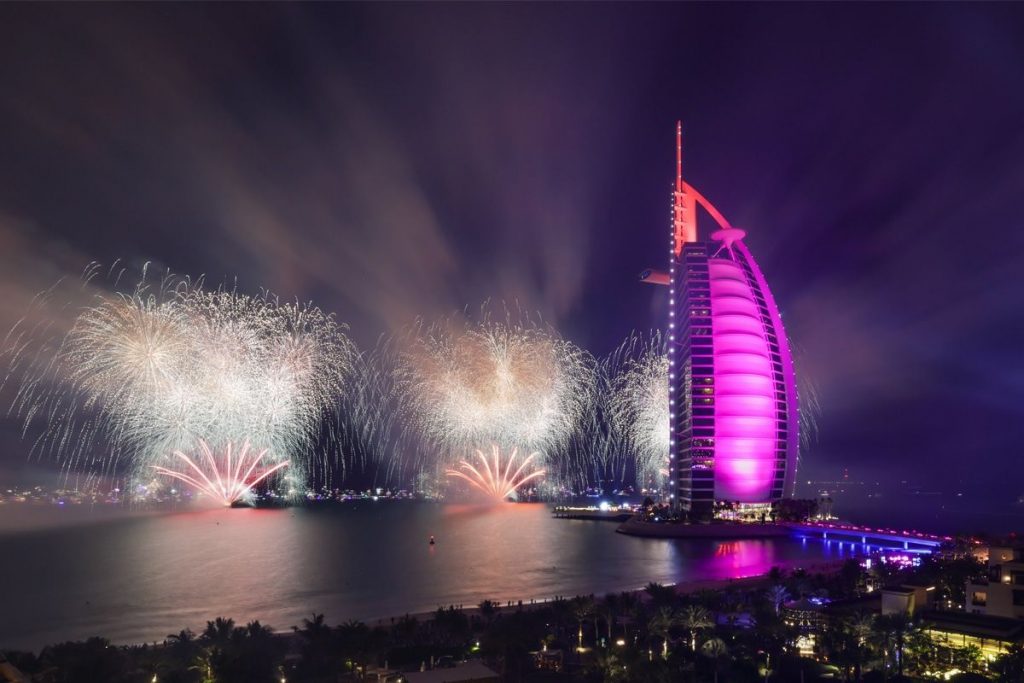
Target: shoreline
{"x":688,"y":587}
{"x":472,"y":611}
{"x":631,"y":565}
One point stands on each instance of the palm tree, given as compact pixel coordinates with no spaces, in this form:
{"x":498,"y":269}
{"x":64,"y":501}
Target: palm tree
{"x":256,"y":630}
{"x":354,"y":642}
{"x":181,"y":637}
{"x":238,"y":653}
{"x":967,"y":658}
{"x":661,"y":624}
{"x":312,"y":628}
{"x":204,"y":665}
{"x":610,"y":608}
{"x":902,"y":628}
{"x":777,"y":596}
{"x":611,"y":668}
{"x":316,"y":637}
{"x":628,"y":603}
{"x":1010,"y":666}
{"x":715,"y":650}
{"x":583,"y":607}
{"x":773,"y":634}
{"x":833,"y":643}
{"x":219,"y":631}
{"x":661,"y":596}
{"x":847,"y":643}
{"x":694,"y":619}
{"x":859,"y":627}
{"x":882,"y":638}
{"x":182,"y":647}
{"x":488,"y":610}
{"x":892,"y":632}
{"x":561,"y":611}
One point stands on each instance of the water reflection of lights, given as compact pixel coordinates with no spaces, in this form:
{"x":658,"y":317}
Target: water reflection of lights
{"x":742,"y":558}
{"x":724,"y":549}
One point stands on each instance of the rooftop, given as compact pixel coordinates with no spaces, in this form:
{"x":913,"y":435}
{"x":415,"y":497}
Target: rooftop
{"x":978,"y":625}
{"x":872,"y":602}
{"x":470,"y":672}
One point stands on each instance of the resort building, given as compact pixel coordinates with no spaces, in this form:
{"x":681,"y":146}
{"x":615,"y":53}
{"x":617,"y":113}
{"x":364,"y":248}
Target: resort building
{"x":993,"y":636}
{"x":1002,"y":593}
{"x":910,"y":598}
{"x":734,"y":416}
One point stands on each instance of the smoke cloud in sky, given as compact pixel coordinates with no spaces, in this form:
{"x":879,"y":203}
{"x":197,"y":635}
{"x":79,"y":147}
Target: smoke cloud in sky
{"x":285,"y":170}
{"x":395,"y":161}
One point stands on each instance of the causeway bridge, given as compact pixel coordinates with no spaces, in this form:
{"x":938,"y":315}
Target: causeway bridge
{"x":869,"y":537}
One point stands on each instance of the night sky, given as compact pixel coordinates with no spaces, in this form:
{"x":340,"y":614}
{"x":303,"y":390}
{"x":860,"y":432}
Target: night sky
{"x":395,"y":160}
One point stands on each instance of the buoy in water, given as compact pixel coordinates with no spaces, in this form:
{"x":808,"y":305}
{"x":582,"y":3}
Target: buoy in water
{"x":431,"y":540}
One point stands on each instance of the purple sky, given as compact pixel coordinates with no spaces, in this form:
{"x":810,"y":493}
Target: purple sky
{"x":397,"y":160}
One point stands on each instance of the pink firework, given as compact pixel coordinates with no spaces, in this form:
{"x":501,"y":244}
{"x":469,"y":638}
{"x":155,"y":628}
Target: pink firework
{"x":493,"y":478}
{"x":225,"y":477}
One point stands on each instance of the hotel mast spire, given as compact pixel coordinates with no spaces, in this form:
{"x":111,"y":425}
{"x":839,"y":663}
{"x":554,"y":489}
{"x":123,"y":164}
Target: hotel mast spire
{"x":679,"y":156}
{"x":684,"y":218}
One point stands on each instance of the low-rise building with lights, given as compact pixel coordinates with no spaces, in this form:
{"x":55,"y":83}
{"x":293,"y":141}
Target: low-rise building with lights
{"x":993,"y":636}
{"x":1001,"y":594}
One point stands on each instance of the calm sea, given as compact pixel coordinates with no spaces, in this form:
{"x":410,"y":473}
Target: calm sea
{"x":136,"y":578}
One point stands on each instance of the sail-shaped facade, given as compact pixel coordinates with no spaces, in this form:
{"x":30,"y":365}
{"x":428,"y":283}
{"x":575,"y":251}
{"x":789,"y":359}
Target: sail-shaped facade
{"x":733,"y":405}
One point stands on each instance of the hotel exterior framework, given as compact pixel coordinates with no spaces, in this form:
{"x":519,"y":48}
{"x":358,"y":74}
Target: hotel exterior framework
{"x":733,"y":405}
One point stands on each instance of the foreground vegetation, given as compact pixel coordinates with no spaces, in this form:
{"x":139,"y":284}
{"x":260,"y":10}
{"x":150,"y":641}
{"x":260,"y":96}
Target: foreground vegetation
{"x":738,"y":634}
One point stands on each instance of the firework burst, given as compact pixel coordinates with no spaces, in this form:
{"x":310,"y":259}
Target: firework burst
{"x":162,"y":371}
{"x":221,"y":477}
{"x":495,"y":478}
{"x":638,"y":408}
{"x":512,"y":384}
{"x":368,"y":415}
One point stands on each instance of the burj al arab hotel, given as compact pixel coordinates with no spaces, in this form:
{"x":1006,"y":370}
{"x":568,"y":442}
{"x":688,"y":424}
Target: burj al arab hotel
{"x":733,"y":405}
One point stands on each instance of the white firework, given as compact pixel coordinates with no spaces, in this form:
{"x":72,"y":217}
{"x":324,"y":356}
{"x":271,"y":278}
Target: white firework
{"x":148,"y":373}
{"x":467,"y":386}
{"x":638,"y":408}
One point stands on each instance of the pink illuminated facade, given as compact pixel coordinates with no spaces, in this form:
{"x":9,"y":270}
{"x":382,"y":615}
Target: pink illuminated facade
{"x":732,"y":389}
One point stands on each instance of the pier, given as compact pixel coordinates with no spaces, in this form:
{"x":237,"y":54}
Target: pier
{"x":593,"y":513}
